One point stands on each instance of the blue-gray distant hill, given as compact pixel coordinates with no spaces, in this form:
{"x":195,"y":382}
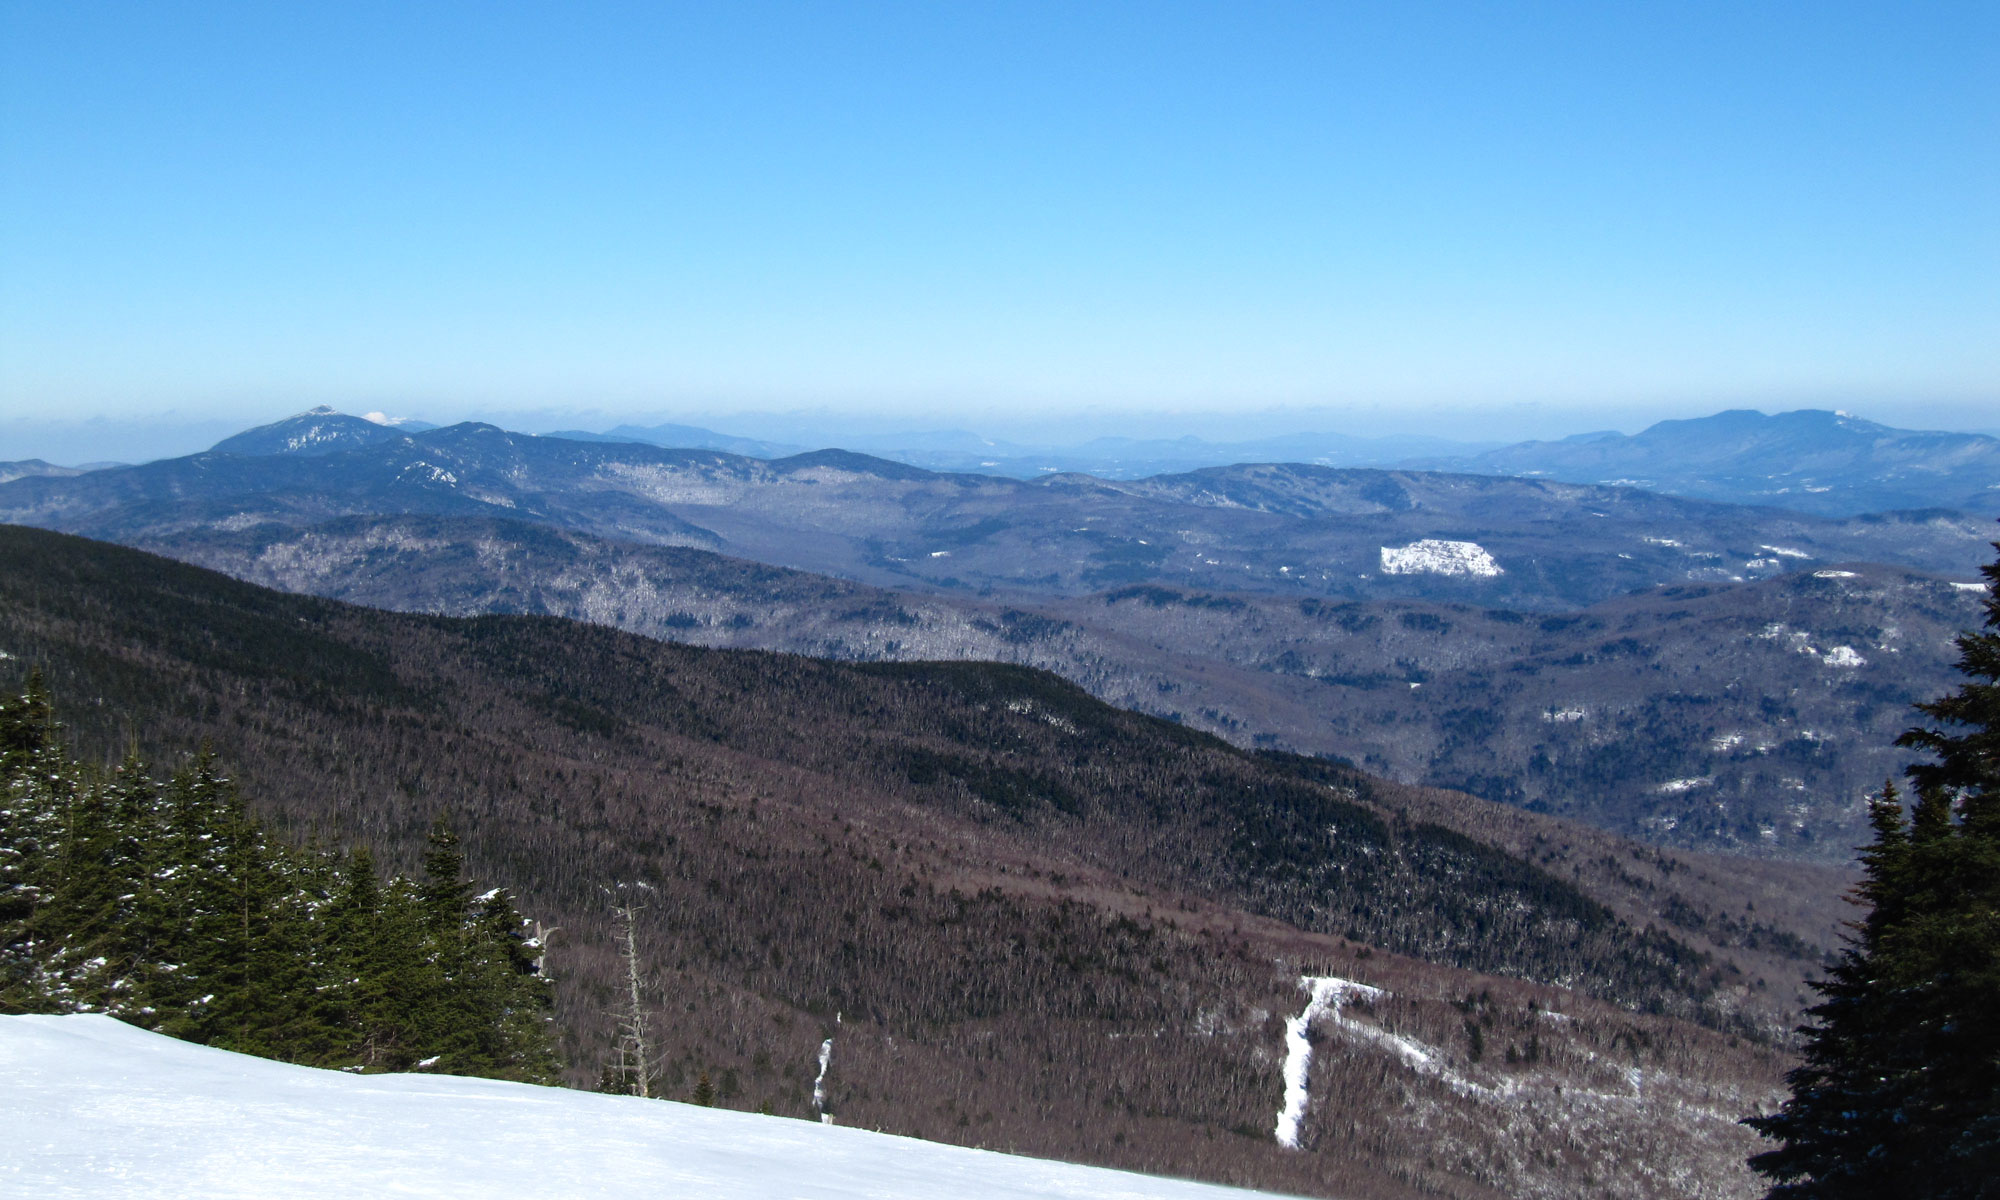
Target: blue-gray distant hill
{"x":1695,"y":673}
{"x":316,"y":431}
{"x":1827,"y":463}
{"x":684,"y":437}
{"x":1295,"y":530}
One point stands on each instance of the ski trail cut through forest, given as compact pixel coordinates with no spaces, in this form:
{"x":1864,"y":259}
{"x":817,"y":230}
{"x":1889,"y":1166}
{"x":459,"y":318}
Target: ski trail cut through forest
{"x":1325,"y":992}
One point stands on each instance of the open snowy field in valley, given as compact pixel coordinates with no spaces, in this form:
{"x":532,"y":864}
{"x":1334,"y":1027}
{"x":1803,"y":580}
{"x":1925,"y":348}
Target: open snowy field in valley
{"x":94,"y":1107}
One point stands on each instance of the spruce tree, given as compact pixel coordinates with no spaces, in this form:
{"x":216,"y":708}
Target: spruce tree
{"x":37,"y":786}
{"x":177,"y":910}
{"x":487,"y":1013}
{"x":93,"y":880}
{"x":1899,"y":1093}
{"x":375,"y":947}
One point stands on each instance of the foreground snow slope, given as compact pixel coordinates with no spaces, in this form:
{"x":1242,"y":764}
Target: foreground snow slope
{"x":94,"y":1107}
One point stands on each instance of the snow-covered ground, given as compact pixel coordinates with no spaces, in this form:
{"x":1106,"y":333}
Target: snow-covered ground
{"x":1433,"y":556}
{"x":93,"y":1107}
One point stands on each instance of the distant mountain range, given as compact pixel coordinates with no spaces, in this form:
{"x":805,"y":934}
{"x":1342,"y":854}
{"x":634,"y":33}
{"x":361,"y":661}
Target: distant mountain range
{"x":1293,"y":530}
{"x":685,"y":437}
{"x":35,"y":466}
{"x":1104,"y":457}
{"x":1489,"y":633}
{"x":1829,"y":463}
{"x":1814,"y":461}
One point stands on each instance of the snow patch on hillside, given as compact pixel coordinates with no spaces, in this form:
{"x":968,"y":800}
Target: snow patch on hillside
{"x":97,"y":1108}
{"x":437,"y":474}
{"x":312,"y":435}
{"x":1327,"y":997}
{"x":1433,"y":556}
{"x":1027,"y":708}
{"x":1800,"y":641}
{"x":1324,"y":996}
{"x":819,"y":1082}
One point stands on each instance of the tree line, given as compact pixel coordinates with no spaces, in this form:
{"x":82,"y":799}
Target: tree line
{"x":167,"y":905}
{"x":1899,"y":1090}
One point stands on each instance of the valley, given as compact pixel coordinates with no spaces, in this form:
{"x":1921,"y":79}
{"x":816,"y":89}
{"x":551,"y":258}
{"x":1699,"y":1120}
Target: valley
{"x":1751,"y":718}
{"x":1030,"y":921}
{"x":1210,"y":824}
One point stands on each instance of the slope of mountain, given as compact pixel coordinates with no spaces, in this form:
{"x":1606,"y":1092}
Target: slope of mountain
{"x":1748,"y":717}
{"x":1289,"y":530}
{"x":1829,"y":463}
{"x":34,"y":466}
{"x":1751,"y":717}
{"x":1029,"y":920}
{"x":98,"y":1108}
{"x":313,"y":432}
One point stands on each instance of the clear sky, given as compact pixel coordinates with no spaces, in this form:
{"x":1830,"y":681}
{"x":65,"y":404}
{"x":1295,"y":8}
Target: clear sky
{"x":957,"y":213}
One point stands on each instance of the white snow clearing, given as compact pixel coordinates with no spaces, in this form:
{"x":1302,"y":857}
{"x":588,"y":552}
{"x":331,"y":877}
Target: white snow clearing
{"x":1325,"y":992}
{"x":1802,"y":642}
{"x":1434,"y":557}
{"x":97,"y":1108}
{"x":819,"y":1082}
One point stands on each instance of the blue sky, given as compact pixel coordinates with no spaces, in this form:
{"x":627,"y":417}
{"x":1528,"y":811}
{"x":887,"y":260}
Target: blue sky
{"x":1494,"y":217}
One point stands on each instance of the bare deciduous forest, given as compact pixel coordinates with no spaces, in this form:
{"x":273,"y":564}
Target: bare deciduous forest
{"x":1027,"y":920}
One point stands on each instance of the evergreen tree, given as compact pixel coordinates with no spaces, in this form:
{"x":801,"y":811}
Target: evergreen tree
{"x":516,"y":1032}
{"x":380,"y":976}
{"x":175,"y":909}
{"x":91,"y":887}
{"x":1899,"y":1093}
{"x":39,"y":783}
{"x":488,"y":1012}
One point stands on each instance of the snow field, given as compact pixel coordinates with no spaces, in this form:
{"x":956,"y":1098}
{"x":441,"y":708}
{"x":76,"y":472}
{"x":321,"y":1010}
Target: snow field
{"x":1434,"y":556}
{"x":97,"y":1108}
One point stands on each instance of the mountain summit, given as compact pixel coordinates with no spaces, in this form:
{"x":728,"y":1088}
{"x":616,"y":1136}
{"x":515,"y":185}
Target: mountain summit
{"x":315,"y":431}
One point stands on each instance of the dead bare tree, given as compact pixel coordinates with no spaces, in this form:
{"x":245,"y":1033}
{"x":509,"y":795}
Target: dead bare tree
{"x":635,"y":1048}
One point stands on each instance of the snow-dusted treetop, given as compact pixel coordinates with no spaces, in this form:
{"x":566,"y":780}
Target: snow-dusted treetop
{"x":97,"y":1108}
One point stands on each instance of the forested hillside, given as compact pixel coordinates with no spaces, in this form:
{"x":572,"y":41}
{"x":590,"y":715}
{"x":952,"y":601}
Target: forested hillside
{"x":166,"y":904}
{"x":1750,"y":718}
{"x":1027,"y":919}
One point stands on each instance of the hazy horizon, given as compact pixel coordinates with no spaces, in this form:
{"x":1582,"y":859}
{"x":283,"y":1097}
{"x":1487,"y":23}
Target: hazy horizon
{"x":146,"y":438}
{"x":1170,"y":219}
